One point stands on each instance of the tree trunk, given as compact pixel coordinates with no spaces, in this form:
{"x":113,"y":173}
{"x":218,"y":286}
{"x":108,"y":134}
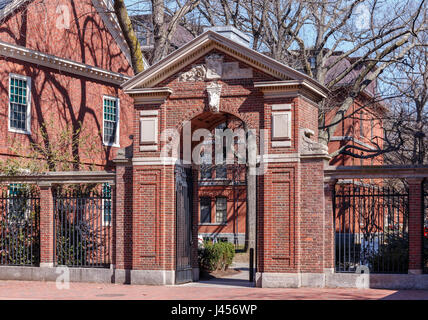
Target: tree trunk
{"x":130,"y":36}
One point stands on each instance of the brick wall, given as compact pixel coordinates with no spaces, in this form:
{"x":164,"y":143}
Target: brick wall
{"x":60,"y":97}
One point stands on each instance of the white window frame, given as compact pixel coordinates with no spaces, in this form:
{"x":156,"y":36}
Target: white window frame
{"x":28,"y":124}
{"x":116,"y":143}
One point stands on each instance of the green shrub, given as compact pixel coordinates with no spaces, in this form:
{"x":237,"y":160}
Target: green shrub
{"x":217,"y":256}
{"x":392,"y":256}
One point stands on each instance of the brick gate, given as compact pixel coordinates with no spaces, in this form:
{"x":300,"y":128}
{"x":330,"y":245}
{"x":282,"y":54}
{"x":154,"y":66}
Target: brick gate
{"x":211,"y":79}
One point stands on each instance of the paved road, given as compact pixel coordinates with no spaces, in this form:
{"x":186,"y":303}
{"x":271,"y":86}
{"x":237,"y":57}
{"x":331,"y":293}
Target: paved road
{"x":92,"y":291}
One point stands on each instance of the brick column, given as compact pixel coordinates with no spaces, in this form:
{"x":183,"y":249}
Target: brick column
{"x":415,"y":225}
{"x":329,"y":231}
{"x":47,"y":249}
{"x":120,"y":212}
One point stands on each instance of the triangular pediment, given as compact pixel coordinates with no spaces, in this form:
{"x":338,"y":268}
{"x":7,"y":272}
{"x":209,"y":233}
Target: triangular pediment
{"x":203,"y":45}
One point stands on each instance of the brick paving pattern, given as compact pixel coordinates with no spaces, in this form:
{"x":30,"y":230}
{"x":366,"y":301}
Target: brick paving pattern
{"x":12,"y":290}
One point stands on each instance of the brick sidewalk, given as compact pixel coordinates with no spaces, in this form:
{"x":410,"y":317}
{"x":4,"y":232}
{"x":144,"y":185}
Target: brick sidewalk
{"x":92,"y":291}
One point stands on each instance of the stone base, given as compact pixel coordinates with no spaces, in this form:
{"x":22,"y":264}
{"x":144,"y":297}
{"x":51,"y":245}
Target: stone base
{"x":98,"y":275}
{"x":153,"y":277}
{"x":57,"y":274}
{"x":342,"y":280}
{"x":195,"y":274}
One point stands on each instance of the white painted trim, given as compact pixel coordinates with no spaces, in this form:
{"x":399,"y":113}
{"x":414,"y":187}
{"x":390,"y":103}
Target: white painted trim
{"x":153,"y":96}
{"x":60,"y":64}
{"x":148,"y":148}
{"x":155,"y":161}
{"x":281,"y":144}
{"x":279,"y":158}
{"x":280,"y":107}
{"x":164,"y":90}
{"x":145,"y":113}
{"x":29,"y":97}
{"x":289,"y":83}
{"x":116,"y":143}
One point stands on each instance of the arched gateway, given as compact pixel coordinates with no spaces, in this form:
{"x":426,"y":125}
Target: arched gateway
{"x":270,"y":112}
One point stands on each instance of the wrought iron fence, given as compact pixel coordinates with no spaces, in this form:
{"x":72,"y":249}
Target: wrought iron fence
{"x":371,"y":225}
{"x":19,"y":225}
{"x":83,"y":222}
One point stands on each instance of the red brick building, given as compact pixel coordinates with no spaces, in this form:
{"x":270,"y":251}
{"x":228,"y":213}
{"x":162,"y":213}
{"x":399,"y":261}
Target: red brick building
{"x":362,"y":125}
{"x":64,"y":71}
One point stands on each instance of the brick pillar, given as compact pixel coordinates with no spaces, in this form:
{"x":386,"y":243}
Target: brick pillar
{"x":329,"y":231}
{"x":313,"y":234}
{"x":415,"y":225}
{"x":47,"y":251}
{"x":122,"y":221}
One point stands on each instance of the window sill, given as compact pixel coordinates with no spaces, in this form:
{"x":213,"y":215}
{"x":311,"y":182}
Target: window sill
{"x":19,"y":131}
{"x":114,"y":145}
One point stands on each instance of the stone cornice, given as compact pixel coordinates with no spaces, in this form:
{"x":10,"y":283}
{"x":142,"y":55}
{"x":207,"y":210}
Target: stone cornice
{"x":376,"y":172}
{"x":289,"y":88}
{"x":149,"y":95}
{"x":71,"y":177}
{"x":61,"y":64}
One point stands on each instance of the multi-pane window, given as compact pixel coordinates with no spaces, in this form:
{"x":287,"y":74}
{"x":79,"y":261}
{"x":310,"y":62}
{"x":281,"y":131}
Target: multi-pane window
{"x":111,"y":121}
{"x":206,"y":164}
{"x":106,"y":204}
{"x":221,"y":210}
{"x":205,"y":205}
{"x":19,"y":103}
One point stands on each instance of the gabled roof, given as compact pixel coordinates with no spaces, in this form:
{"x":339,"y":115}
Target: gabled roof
{"x":104,"y":8}
{"x":200,"y":46}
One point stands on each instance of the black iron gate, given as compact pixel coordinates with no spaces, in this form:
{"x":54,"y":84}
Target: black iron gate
{"x":19,"y":226}
{"x":184,"y":185}
{"x":83,"y":222}
{"x":371,"y":225}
